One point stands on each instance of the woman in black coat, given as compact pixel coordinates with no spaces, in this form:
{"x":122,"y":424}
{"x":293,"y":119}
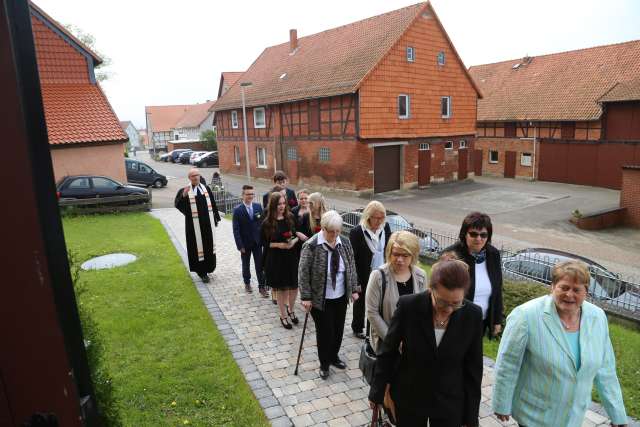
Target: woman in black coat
{"x":432,"y":354}
{"x":369,"y":241}
{"x":485,"y":269}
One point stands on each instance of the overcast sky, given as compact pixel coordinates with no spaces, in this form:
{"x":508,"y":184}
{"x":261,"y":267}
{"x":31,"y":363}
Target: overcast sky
{"x":172,"y":52}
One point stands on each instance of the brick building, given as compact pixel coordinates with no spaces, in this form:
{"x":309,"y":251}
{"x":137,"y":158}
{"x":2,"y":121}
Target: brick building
{"x":83,"y":130}
{"x":375,"y":105}
{"x":570,"y":117}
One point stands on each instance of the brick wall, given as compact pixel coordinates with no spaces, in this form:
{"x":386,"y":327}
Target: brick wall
{"x":501,"y":145}
{"x":630,"y":194}
{"x":424,"y":81}
{"x":195,"y":146}
{"x":106,"y":160}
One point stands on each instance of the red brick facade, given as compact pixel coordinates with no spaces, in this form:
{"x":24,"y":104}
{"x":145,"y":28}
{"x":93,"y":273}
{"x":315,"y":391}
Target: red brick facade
{"x":630,"y":194}
{"x":491,"y":167}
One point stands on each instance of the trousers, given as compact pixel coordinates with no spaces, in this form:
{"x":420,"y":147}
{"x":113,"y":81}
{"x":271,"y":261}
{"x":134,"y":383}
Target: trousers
{"x":329,"y":329}
{"x":256,"y":251}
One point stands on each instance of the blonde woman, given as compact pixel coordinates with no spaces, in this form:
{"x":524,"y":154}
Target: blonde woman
{"x":317,"y":208}
{"x":402,"y":276}
{"x":300,"y":214}
{"x":369,"y":241}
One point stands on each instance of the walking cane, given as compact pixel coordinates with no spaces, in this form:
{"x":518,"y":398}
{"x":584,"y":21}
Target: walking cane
{"x":304,"y":329}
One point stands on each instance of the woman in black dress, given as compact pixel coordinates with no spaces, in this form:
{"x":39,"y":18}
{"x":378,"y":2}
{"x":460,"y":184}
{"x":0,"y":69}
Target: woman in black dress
{"x":301,"y":218}
{"x":280,"y":256}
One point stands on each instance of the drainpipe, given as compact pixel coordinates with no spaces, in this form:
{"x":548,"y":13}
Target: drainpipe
{"x":533,"y":161}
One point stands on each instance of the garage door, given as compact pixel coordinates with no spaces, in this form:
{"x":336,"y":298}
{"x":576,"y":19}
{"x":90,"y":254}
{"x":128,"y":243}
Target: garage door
{"x":386,"y":168}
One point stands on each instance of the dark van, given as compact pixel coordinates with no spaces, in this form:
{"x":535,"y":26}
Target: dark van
{"x":142,"y":173}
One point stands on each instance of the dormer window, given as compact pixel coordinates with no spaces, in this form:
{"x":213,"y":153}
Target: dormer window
{"x":411,"y":54}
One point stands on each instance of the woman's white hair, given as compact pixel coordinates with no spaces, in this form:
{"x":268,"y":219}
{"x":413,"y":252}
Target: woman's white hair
{"x":331,"y":220}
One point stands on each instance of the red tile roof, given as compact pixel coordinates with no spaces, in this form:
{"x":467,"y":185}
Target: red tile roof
{"x":79,"y":113}
{"x":560,"y":86}
{"x":195,"y":115}
{"x":163,"y":118}
{"x":626,"y":91}
{"x":228,"y":79}
{"x":329,"y":63}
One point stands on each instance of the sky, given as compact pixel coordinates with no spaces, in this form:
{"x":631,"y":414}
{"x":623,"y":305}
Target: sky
{"x":172,"y":52}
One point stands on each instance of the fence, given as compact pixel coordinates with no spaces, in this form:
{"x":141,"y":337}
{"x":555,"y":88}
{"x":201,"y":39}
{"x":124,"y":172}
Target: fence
{"x":128,"y":203}
{"x":612,"y":291}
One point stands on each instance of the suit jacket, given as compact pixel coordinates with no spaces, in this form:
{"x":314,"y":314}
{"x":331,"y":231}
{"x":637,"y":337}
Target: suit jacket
{"x":362,"y":253}
{"x":429,"y":381}
{"x":246,"y":231}
{"x":292,"y":200}
{"x":536,"y":380}
{"x":495,"y":313}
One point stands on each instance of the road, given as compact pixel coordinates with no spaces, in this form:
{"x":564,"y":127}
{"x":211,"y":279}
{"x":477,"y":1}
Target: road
{"x":524,"y":214}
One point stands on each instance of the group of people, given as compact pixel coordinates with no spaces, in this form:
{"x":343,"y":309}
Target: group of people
{"x":426,"y":331}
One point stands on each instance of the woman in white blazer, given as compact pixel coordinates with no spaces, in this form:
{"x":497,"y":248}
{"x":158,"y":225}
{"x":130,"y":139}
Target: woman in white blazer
{"x":402,"y":277}
{"x":553,"y":350}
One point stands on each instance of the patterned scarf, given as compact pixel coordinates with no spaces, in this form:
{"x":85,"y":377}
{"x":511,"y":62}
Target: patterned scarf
{"x":335,"y":263}
{"x":480,"y":257}
{"x":196,"y":220}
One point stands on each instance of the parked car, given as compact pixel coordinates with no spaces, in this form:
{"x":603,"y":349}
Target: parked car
{"x":173,"y":155}
{"x":90,"y":187}
{"x":208,"y":159}
{"x":164,"y":157}
{"x":196,"y":154}
{"x":142,"y":173}
{"x":183,"y":157}
{"x":537,"y":263}
{"x":396,"y":222}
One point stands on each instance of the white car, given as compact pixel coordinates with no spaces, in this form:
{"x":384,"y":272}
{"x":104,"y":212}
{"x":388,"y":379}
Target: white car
{"x":195,"y":155}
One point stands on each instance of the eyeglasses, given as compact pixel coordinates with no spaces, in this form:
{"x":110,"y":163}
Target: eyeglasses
{"x":400,"y":255}
{"x":249,"y":194}
{"x":443,"y":304}
{"x":475,"y":234}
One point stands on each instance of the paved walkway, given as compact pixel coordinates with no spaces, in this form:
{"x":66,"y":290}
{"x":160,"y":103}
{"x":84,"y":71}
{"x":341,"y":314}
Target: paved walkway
{"x":266,"y":352}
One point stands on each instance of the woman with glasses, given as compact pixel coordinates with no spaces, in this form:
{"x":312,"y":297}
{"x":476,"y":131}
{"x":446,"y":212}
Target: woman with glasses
{"x":401,"y":276}
{"x":370,"y":240}
{"x":432,"y":354}
{"x":485,"y":269}
{"x":553,"y":350}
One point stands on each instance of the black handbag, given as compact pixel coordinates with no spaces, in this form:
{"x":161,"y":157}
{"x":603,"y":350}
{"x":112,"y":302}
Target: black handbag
{"x":367,"y":362}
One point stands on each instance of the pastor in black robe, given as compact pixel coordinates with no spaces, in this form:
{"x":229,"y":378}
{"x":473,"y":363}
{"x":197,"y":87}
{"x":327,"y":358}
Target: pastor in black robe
{"x":182,"y":204}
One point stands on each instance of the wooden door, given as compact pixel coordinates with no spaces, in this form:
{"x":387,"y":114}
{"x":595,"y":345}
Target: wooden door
{"x":510,"y":164}
{"x":424,"y":165}
{"x":386,"y":168}
{"x":463,"y":160}
{"x":477,"y":162}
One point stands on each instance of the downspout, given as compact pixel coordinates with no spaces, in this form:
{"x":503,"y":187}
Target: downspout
{"x":533,"y":162}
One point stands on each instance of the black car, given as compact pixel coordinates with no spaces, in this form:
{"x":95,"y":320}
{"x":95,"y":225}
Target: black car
{"x":184,"y":157}
{"x":91,"y":187}
{"x":211,"y":159}
{"x":173,"y":155}
{"x":142,"y":173}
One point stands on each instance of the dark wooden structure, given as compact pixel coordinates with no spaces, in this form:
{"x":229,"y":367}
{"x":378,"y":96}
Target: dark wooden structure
{"x":43,"y":366}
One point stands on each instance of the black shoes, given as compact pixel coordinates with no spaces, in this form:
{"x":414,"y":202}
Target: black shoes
{"x":204,"y":277}
{"x":339,"y":364}
{"x":324,"y":373}
{"x":285,"y":323}
{"x":247,"y":288}
{"x":263,"y":292}
{"x":293,"y":317}
{"x":360,"y":335}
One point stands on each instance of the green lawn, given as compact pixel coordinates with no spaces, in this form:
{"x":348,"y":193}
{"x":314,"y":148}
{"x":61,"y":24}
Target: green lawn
{"x":166,"y":361}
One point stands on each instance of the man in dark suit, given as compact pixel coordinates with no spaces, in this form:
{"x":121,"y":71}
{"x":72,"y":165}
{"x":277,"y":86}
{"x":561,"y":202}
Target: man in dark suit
{"x":247,"y":218}
{"x":281,"y":179}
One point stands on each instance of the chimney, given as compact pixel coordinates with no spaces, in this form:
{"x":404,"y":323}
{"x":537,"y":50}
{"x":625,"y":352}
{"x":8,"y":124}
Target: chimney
{"x":293,"y":39}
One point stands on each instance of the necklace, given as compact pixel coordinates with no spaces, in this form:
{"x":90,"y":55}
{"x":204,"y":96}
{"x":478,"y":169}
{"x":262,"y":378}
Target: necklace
{"x":576,"y":326}
{"x":440,"y":323}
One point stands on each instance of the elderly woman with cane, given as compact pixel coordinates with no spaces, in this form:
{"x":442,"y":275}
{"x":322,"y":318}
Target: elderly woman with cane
{"x":327,"y":279}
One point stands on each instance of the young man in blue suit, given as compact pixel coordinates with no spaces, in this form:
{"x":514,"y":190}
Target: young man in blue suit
{"x":247,"y":218}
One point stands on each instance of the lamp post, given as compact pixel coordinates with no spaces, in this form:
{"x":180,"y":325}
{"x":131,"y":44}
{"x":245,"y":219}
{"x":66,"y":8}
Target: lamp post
{"x":244,"y":125}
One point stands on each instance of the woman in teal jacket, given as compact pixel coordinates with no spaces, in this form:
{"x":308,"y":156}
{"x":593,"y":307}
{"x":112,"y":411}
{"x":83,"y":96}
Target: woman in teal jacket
{"x":553,"y":349}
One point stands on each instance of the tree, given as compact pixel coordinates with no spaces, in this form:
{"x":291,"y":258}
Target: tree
{"x":209,"y":138}
{"x":102,"y":73}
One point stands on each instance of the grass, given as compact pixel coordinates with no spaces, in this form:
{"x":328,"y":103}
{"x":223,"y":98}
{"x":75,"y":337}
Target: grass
{"x":625,"y":340}
{"x":166,"y":360}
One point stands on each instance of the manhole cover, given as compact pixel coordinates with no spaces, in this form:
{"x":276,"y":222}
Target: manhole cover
{"x":108,"y":261}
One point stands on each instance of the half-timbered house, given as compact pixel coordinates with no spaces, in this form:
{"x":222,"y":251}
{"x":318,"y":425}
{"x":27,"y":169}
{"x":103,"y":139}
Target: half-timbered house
{"x":376,"y":105}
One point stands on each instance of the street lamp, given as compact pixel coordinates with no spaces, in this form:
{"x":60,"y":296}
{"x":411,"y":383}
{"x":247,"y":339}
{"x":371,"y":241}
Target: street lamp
{"x":244,"y":125}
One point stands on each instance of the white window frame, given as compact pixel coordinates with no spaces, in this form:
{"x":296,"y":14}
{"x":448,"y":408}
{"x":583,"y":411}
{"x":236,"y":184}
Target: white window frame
{"x":443,"y":56}
{"x":448,"y":145}
{"x":411,"y":54}
{"x":463,"y":143}
{"x":448,"y":115}
{"x":407,"y":105}
{"x":263,"y":164}
{"x":524,"y":162}
{"x":497,"y":156}
{"x":264,"y":118}
{"x":234,"y":119}
{"x":424,"y":146}
{"x":236,"y":155}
